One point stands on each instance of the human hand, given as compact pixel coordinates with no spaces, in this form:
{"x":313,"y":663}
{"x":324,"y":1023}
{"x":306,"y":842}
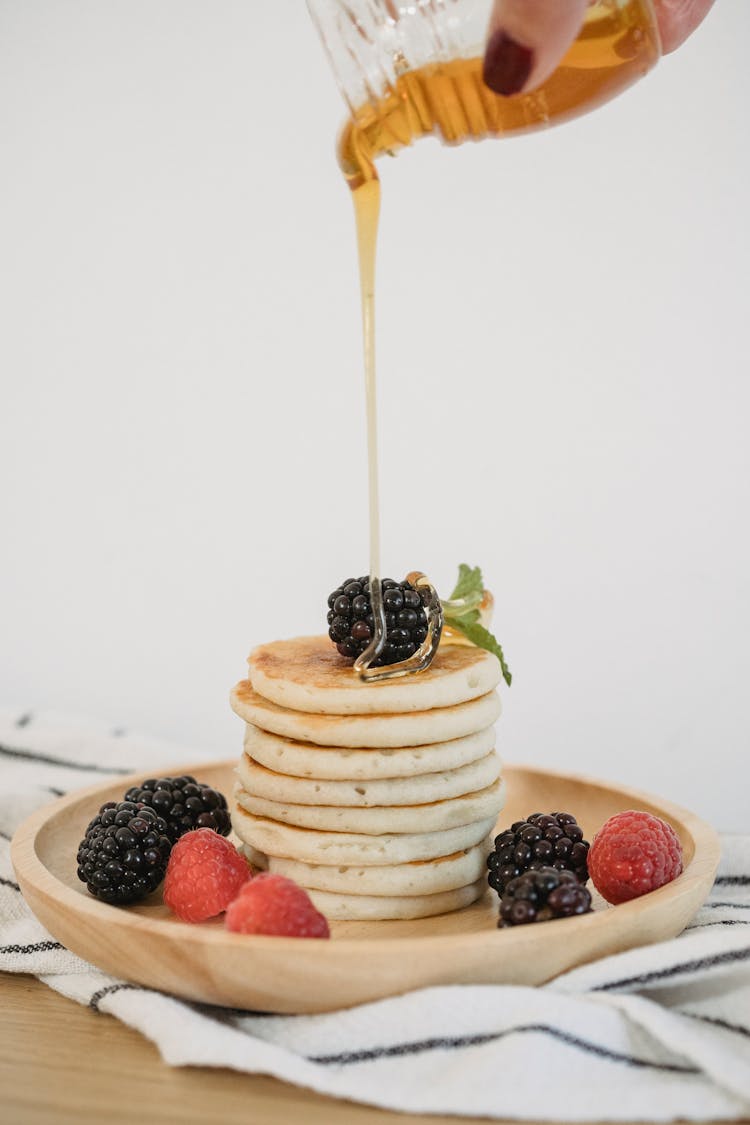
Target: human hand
{"x":528,"y":38}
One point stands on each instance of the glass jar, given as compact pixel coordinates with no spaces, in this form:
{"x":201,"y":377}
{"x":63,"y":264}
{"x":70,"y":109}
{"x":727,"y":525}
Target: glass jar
{"x":409,"y":69}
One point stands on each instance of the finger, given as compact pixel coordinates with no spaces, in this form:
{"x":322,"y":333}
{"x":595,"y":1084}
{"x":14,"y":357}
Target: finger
{"x":678,"y":19}
{"x":527,"y":39}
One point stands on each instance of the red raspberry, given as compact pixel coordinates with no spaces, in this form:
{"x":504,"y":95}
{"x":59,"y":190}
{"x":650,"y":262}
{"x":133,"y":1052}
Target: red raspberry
{"x":273,"y":904}
{"x":204,"y":873}
{"x":632,"y":854}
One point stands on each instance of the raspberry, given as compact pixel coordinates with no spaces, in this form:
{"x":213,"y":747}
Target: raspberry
{"x":632,"y":854}
{"x":274,"y":905}
{"x":205,"y":872}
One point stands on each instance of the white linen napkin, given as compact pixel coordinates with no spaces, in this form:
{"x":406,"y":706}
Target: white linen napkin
{"x":657,"y":1033}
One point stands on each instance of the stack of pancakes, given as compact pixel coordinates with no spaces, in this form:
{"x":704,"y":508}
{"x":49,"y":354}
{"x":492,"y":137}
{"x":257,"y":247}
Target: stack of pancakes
{"x":378,"y":798}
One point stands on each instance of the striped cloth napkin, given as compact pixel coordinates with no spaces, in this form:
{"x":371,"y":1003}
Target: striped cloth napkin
{"x":653,"y":1034}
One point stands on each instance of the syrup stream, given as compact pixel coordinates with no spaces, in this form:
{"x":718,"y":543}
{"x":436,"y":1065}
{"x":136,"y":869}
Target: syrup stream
{"x":616,"y":46}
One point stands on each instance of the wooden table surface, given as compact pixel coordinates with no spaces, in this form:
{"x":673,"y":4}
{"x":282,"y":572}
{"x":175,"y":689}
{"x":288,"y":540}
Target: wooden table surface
{"x":61,"y":1063}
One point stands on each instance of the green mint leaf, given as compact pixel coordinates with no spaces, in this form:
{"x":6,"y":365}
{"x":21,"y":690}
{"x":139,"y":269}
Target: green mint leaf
{"x":471,"y":617}
{"x":466,"y":608}
{"x":482,"y":638}
{"x":468,"y":592}
{"x":470,"y":582}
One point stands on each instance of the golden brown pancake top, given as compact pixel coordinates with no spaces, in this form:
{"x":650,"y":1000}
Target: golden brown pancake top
{"x":314,"y":662}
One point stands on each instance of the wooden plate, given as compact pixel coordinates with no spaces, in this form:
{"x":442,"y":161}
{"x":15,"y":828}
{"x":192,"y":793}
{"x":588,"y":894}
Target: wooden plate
{"x":365,"y":960}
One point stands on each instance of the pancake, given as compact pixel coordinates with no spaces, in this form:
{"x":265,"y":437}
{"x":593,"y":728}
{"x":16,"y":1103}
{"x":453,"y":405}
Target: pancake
{"x":380,"y":907}
{"x":433,"y":817}
{"x":300,"y":759}
{"x":352,"y":848}
{"x":308,"y":674}
{"x":425,"y":877}
{"x":416,"y":728}
{"x":262,"y":782}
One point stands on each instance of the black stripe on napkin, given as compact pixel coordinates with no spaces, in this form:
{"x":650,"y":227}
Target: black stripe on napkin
{"x":723,"y":922}
{"x":9,"y":883}
{"x":24,"y":720}
{"x":737,"y":1028}
{"x":5,"y":835}
{"x":732,"y":880}
{"x":37,"y":947}
{"x":729,"y":905}
{"x":64,"y":763}
{"x":731,"y":957}
{"x":346,"y":1058}
{"x":110,"y":989}
{"x":233,"y":1015}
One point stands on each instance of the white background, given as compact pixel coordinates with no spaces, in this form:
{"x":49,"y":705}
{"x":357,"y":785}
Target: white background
{"x":563,"y":347}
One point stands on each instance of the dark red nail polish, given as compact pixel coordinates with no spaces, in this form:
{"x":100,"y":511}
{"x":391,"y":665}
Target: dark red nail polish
{"x":507,"y":65}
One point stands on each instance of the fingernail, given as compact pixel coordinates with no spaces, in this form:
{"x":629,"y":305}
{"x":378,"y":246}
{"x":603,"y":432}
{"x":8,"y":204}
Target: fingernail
{"x":507,"y":65}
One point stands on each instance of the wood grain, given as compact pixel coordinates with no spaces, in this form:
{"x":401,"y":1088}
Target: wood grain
{"x":146,"y":944}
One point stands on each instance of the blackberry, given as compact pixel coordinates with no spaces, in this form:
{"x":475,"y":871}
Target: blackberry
{"x":351,"y":623}
{"x":124,"y":854}
{"x":184,"y":804}
{"x":541,"y":895}
{"x":542,"y":840}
